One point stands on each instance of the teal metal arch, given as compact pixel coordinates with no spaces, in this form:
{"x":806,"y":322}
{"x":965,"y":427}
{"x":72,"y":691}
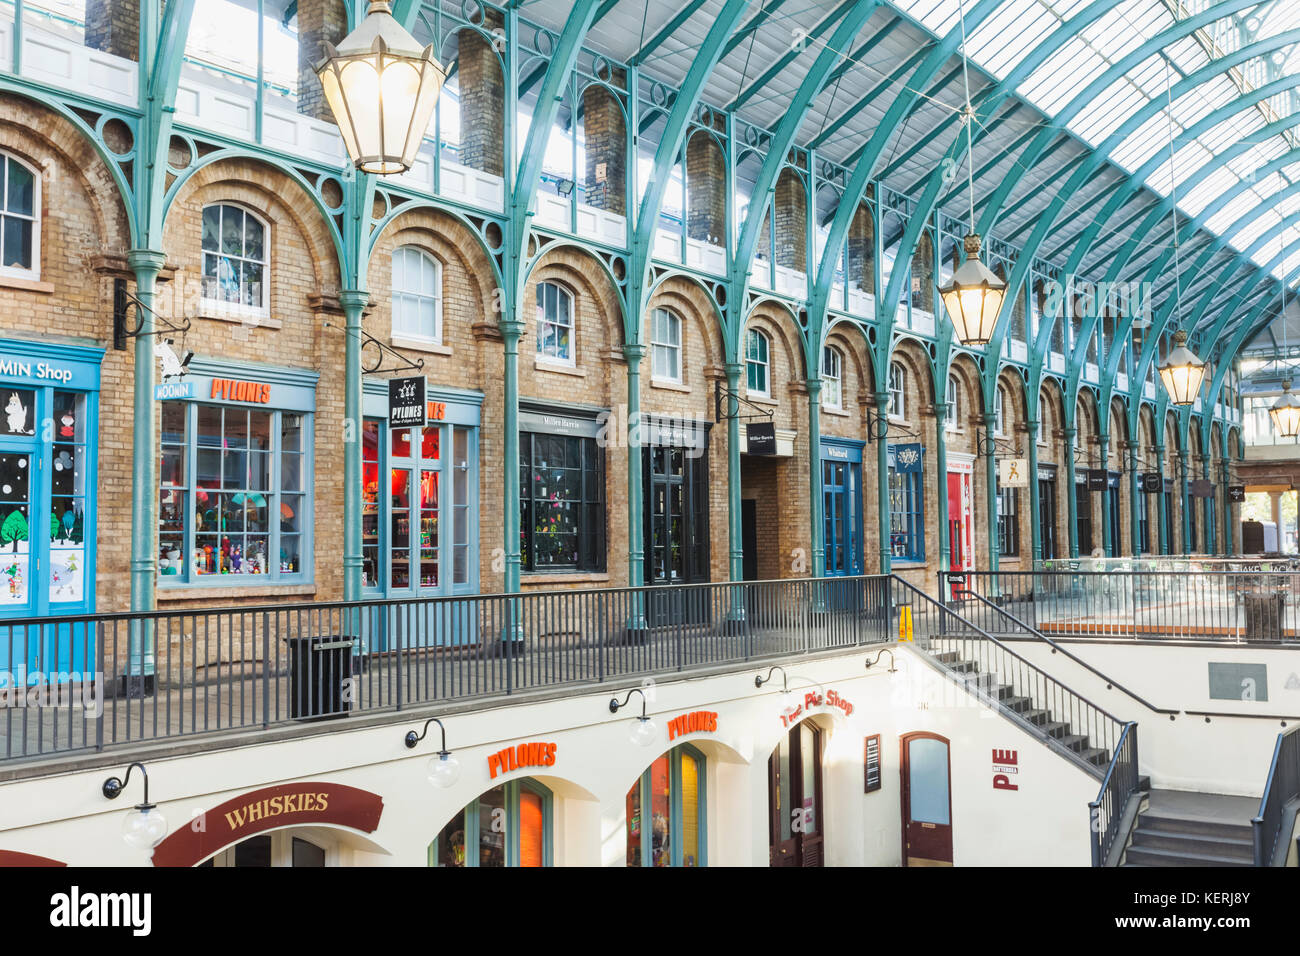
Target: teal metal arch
{"x":233,"y":153}
{"x":379,"y":226}
{"x":125,"y":189}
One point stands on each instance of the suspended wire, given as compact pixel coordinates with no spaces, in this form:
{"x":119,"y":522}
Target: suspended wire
{"x":1173,"y":196}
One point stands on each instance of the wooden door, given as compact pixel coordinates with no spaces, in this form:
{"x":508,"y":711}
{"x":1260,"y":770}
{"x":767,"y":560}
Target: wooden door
{"x":926,"y":800}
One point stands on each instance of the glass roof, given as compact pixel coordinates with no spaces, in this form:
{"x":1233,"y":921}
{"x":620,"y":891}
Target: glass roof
{"x":1017,"y":26}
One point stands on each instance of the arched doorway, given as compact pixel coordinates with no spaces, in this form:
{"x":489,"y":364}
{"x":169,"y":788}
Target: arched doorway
{"x":667,"y":812}
{"x":796,"y":829}
{"x":509,"y":825}
{"x":278,"y":848}
{"x":926,"y":800}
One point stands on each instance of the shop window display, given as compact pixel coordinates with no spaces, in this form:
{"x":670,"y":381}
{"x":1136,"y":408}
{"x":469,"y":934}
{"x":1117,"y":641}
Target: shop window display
{"x":666,"y":812}
{"x":508,"y":825}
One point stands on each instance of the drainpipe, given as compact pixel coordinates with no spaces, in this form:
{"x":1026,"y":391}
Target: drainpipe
{"x":882,"y":488}
{"x":1182,"y":498}
{"x":1109,"y":535}
{"x":1135,"y":504}
{"x":353,"y":302}
{"x":1035,"y":502}
{"x":991,"y":479}
{"x":1071,"y":498}
{"x":941,"y":493}
{"x":736,"y":567}
{"x":1162,"y":519}
{"x":632,"y":435}
{"x":1229,"y":545}
{"x":146,"y":264}
{"x":815,"y":517}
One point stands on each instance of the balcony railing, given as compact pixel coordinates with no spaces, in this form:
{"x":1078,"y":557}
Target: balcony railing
{"x":1229,"y":601}
{"x":98,"y":681}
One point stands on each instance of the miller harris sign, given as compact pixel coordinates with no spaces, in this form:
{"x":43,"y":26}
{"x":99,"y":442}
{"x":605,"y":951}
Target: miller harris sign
{"x":294,"y":804}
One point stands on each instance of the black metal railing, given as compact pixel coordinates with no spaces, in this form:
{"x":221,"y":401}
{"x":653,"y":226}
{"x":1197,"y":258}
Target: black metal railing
{"x":1118,"y":787}
{"x":995,"y":672}
{"x":1281,"y":788}
{"x":1235,"y":602}
{"x":995,"y":619}
{"x":90,"y":682}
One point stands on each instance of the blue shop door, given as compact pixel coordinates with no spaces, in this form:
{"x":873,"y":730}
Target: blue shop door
{"x":422,"y":520}
{"x":46,"y":535}
{"x":842,"y":536}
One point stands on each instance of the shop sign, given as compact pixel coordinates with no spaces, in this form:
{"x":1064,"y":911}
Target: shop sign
{"x":837,"y":452}
{"x":1236,"y":493}
{"x":1005,"y":763}
{"x":436,"y":411}
{"x":812,"y":699}
{"x":1152,"y":483}
{"x":406,"y":402}
{"x":760,"y":438}
{"x":696,"y":722}
{"x":524,"y":755}
{"x":271,"y":808}
{"x":16,"y":368}
{"x":171,"y":391}
{"x":907,"y":458}
{"x":1014,"y":473}
{"x":235,"y":390}
{"x":1201,"y":488}
{"x":1098,"y":478}
{"x":871,"y":764}
{"x":558,"y":422}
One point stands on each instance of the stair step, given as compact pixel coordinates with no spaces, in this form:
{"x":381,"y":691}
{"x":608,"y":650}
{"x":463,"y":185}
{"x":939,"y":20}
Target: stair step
{"x":1144,"y":784}
{"x":1056,"y":729}
{"x":1153,"y":856}
{"x":1096,"y":756}
{"x":1037,"y":716}
{"x":1195,"y":827}
{"x":1076,"y":742}
{"x":1000,"y":692}
{"x":946,"y":657}
{"x":1194,"y":844}
{"x":1020,"y":705}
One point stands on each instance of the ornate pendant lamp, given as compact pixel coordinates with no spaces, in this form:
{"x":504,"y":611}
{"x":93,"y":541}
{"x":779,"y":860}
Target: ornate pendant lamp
{"x":381,"y":88}
{"x":973,"y":297}
{"x":1286,"y":413}
{"x":1181,"y":371}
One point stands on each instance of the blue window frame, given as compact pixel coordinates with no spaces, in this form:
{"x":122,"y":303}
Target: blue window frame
{"x":667,"y":812}
{"x":1009,"y":522}
{"x":513,"y":823}
{"x":235,"y":495}
{"x":842,"y":506}
{"x":906,"y":503}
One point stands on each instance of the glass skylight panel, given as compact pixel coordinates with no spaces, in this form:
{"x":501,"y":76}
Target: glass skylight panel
{"x":1206,"y":191}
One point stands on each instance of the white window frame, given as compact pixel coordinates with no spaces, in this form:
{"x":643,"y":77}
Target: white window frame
{"x":897,"y":410}
{"x":669,"y":346}
{"x":562,"y":294}
{"x":418,"y":296}
{"x":832,"y":371}
{"x":33,"y":273}
{"x":753,"y":335}
{"x":954,"y":404}
{"x":999,"y":413}
{"x":221,"y":307}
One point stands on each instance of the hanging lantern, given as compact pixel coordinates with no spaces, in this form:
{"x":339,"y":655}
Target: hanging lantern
{"x":1182,"y":372}
{"x":1286,"y":413}
{"x":381,"y":88}
{"x":974,"y":297}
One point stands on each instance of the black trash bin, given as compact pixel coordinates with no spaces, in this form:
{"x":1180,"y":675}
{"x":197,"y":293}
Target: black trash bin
{"x":320,"y":674}
{"x":1264,"y":615}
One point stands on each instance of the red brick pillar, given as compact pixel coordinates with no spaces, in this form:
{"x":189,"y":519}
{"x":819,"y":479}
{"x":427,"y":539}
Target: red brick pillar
{"x":113,"y":26}
{"x":319,"y":21}
{"x":482,"y":102}
{"x":606,"y":145}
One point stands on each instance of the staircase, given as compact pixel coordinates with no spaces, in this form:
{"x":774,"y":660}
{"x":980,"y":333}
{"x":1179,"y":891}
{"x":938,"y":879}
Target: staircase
{"x":1041,"y":719}
{"x":1180,"y":828}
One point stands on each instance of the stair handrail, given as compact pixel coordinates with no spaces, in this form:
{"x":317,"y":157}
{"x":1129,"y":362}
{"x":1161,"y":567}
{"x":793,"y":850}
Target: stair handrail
{"x":989,"y":637}
{"x":1100,"y":845}
{"x":1110,"y":682}
{"x":1271,"y":802}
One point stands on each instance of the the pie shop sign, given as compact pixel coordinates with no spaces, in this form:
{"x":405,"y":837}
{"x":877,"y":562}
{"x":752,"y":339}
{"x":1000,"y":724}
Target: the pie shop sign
{"x":294,"y":804}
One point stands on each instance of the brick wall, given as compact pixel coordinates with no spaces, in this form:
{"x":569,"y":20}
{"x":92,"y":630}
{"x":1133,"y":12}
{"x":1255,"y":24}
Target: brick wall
{"x":482,"y":101}
{"x":319,"y":21}
{"x":706,"y":189}
{"x":790,"y":202}
{"x":113,"y":26}
{"x":606,"y":146}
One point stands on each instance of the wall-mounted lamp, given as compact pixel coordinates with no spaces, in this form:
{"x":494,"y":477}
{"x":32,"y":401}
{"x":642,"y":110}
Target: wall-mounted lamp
{"x":444,"y":769}
{"x":872,"y":662}
{"x":787,"y":702}
{"x":643,"y":732}
{"x":143,"y":826}
{"x":564,"y":187}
